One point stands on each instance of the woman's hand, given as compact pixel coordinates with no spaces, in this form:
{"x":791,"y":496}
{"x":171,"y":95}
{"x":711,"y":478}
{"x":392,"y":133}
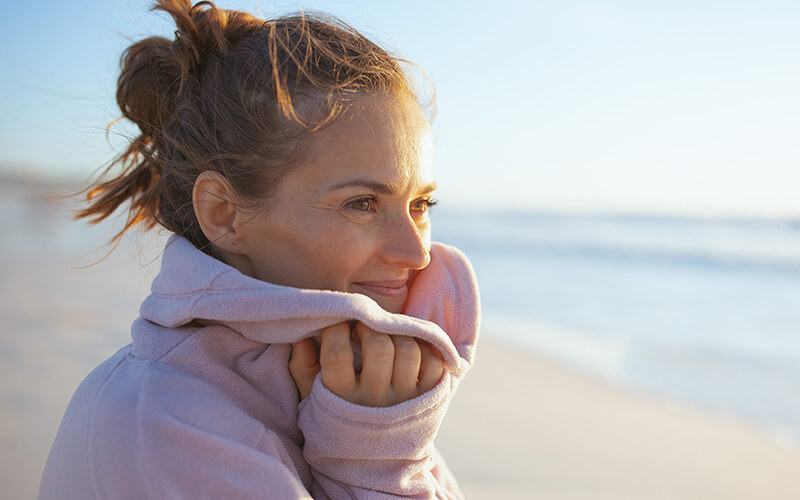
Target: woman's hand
{"x":395,"y":368}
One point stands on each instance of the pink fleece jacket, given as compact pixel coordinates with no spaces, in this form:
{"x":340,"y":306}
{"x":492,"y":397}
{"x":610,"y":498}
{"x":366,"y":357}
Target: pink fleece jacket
{"x":187,"y":411}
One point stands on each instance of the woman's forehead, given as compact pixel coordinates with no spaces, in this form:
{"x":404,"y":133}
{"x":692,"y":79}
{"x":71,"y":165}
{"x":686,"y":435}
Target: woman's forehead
{"x":380,"y":142}
{"x":382,"y":117}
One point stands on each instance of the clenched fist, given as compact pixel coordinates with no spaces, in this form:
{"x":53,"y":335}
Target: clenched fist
{"x":395,"y":368}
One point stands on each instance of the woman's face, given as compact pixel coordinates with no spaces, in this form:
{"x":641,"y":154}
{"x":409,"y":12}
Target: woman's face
{"x":353,"y":216}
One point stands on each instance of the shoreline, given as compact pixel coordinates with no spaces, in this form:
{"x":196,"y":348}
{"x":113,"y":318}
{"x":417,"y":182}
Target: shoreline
{"x":545,"y":342}
{"x":523,"y":426}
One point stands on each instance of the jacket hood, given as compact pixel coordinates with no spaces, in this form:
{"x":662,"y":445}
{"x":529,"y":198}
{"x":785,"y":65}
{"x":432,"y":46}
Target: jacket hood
{"x":442,"y":307}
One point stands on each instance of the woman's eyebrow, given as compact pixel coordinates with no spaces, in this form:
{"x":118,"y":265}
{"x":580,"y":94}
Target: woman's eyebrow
{"x":379,"y":187}
{"x":428,"y":188}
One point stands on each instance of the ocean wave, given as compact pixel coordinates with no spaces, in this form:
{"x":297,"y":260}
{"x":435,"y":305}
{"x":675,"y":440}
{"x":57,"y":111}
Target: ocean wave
{"x":742,"y":244}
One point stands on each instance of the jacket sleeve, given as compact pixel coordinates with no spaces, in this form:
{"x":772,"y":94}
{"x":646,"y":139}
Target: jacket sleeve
{"x":363,"y":452}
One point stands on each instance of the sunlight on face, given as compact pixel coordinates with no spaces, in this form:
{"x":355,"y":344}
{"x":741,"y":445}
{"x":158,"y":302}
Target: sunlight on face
{"x":354,"y":215}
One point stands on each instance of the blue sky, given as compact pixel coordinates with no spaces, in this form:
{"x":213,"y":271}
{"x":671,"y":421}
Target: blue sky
{"x":623,"y":106}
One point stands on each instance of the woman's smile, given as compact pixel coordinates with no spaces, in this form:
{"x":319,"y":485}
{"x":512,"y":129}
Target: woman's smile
{"x":394,"y":289}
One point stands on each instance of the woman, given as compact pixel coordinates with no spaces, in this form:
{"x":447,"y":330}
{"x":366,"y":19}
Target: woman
{"x":304,"y":336}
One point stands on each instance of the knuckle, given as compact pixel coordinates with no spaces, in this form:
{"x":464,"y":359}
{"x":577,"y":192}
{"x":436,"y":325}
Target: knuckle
{"x":433,"y":364}
{"x":379,"y":347}
{"x":301,"y":359}
{"x":407,"y":350}
{"x":336,"y":356}
{"x":294,"y":366}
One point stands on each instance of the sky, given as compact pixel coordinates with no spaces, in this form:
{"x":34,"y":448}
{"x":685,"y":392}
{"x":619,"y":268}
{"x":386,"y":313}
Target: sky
{"x":676,"y":107}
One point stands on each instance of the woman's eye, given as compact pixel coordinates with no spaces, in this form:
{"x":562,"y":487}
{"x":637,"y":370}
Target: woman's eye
{"x":362,"y":205}
{"x":423,"y":205}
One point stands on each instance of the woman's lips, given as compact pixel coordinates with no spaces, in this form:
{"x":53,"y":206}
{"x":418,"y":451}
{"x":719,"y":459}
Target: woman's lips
{"x":394,"y":289}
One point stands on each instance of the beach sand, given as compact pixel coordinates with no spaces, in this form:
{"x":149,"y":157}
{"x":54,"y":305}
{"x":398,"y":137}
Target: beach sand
{"x":520,"y":426}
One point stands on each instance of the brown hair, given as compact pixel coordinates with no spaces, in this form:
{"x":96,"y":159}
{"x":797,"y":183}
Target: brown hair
{"x":232,"y":94}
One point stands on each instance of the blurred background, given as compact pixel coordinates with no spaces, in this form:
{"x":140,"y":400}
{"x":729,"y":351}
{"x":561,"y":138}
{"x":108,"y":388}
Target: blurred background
{"x":622,"y":174}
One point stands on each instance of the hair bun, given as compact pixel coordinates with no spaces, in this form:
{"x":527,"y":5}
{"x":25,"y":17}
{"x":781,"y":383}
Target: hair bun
{"x":201,"y":29}
{"x":148,"y":84}
{"x":155,"y":70}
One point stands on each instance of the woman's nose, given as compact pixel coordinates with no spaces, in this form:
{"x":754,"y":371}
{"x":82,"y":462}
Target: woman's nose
{"x":407,"y":245}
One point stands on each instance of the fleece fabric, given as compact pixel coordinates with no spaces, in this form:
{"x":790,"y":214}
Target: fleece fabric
{"x":189,"y":410}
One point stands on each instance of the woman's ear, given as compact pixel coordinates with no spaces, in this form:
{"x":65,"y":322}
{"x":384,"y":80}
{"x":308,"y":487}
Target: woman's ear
{"x":214,"y":202}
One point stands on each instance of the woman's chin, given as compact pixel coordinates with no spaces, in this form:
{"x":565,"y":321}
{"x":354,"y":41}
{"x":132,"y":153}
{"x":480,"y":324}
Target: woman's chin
{"x":392,"y":304}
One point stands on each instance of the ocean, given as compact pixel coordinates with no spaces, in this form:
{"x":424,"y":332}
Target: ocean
{"x":703,"y":312}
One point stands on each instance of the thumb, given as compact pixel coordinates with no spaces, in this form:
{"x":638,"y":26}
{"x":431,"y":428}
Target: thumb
{"x":303,"y":366}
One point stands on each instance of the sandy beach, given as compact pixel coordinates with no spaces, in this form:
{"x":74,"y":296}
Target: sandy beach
{"x":525,"y":427}
{"x":520,"y":426}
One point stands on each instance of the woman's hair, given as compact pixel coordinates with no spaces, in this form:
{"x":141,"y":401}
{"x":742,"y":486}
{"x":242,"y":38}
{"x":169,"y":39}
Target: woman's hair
{"x":233,"y":94}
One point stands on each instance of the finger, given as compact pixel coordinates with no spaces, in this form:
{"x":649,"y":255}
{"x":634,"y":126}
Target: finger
{"x":377,"y":355}
{"x":303,"y":366}
{"x":407,"y":357}
{"x":431,"y":368}
{"x":336,"y":360}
